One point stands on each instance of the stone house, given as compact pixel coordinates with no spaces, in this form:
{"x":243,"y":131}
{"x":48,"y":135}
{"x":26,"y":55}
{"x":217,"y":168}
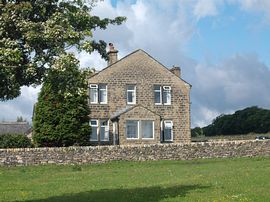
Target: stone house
{"x":137,"y":100}
{"x":15,"y":128}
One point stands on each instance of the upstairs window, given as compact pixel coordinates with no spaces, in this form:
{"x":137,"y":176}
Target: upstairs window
{"x":158,"y":95}
{"x":131,"y":94}
{"x":103,"y":94}
{"x":167,"y":95}
{"x":93,"y":93}
{"x":98,"y":93}
{"x":162,"y":95}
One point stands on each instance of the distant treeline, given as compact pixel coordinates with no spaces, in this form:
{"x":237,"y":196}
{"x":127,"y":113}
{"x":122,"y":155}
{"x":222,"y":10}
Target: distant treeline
{"x":248,"y":120}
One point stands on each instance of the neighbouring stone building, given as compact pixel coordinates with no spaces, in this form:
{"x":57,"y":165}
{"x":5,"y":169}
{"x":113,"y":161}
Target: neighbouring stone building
{"x":137,"y":100}
{"x":15,"y":128}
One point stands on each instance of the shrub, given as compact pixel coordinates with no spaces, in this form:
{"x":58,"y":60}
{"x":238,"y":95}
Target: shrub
{"x":14,"y":141}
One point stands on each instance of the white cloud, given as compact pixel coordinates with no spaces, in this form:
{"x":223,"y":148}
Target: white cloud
{"x":204,"y":8}
{"x":237,"y":82}
{"x":21,"y":106}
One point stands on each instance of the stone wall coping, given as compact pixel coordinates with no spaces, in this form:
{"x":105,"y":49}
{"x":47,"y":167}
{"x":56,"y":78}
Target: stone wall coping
{"x":110,"y":147}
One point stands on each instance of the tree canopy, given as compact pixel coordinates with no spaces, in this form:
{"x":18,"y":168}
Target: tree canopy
{"x":251,"y":119}
{"x":34,"y":32}
{"x":61,"y":113}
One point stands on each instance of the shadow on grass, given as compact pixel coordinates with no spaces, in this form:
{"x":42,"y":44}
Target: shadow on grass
{"x":126,"y":195}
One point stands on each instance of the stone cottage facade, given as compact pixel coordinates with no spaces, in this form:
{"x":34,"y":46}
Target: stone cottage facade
{"x":137,"y":100}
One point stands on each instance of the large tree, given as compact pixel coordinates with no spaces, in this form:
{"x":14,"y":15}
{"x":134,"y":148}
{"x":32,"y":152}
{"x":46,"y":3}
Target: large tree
{"x":34,"y":32}
{"x":61,"y":113}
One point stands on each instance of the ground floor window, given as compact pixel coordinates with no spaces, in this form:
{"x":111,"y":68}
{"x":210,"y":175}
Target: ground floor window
{"x":104,"y":130}
{"x":168,"y":130}
{"x":147,"y":129}
{"x":94,"y":130}
{"x":99,"y":130}
{"x":132,"y":129}
{"x":139,"y":128}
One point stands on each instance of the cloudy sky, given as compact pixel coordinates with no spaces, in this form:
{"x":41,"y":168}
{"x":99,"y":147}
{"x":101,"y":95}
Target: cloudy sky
{"x":222,"y":46}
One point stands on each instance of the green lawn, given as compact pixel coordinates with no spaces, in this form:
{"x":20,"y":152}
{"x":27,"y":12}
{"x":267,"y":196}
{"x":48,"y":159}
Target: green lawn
{"x":238,"y":179}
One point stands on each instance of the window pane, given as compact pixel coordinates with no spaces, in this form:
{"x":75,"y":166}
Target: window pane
{"x":93,"y":123}
{"x":147,"y":129}
{"x":132,"y":129}
{"x":104,"y":130}
{"x":102,"y":93}
{"x":93,"y":135}
{"x":93,"y":95}
{"x":131,"y":96}
{"x":157,"y":97}
{"x":168,"y":130}
{"x":167,"y":96}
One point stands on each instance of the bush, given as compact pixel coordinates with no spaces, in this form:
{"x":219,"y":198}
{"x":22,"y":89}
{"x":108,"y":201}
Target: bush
{"x":14,"y":141}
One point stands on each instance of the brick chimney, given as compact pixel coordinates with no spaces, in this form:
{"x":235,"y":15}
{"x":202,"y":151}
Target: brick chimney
{"x":176,"y":71}
{"x":112,"y":53}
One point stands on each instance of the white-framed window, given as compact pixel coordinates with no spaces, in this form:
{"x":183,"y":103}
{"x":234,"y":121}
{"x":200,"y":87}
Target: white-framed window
{"x":132,"y":129}
{"x":162,"y":95}
{"x":104,"y":130}
{"x":167,"y":95}
{"x":98,"y":94}
{"x":147,"y":129}
{"x":131,"y":94}
{"x":102,"y":93}
{"x":168,"y":130}
{"x":93,"y":93}
{"x":94,"y":130}
{"x":157,"y":94}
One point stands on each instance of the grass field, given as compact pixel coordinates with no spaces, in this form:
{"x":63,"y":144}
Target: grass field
{"x":238,"y":179}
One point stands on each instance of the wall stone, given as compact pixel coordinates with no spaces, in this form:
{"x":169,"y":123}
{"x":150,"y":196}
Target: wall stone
{"x":101,"y":154}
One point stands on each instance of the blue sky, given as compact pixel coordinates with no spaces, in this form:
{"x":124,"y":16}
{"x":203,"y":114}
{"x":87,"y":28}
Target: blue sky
{"x":222,"y":47}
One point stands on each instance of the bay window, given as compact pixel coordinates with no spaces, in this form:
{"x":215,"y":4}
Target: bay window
{"x":147,"y":129}
{"x":132,"y":129}
{"x":139,"y":128}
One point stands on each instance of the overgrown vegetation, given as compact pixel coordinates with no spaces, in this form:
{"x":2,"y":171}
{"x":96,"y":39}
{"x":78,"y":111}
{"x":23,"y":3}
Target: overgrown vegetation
{"x":249,"y":120}
{"x":228,"y":180}
{"x":14,"y":141}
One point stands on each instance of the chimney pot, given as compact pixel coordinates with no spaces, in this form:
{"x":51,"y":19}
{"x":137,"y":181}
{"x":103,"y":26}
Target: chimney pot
{"x":112,"y":53}
{"x":176,"y":70}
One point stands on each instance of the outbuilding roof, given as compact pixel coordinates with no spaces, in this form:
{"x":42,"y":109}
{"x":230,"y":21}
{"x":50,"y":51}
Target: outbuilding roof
{"x":14,"y":128}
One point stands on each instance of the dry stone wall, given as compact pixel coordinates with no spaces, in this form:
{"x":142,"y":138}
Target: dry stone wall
{"x":101,"y":154}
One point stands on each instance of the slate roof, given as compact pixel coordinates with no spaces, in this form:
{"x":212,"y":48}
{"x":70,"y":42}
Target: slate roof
{"x":14,"y":128}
